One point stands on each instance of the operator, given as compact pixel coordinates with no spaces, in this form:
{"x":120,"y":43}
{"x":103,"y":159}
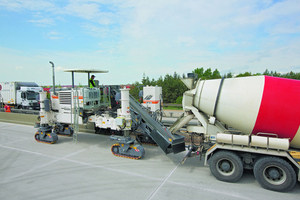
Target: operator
{"x":92,"y":82}
{"x":7,"y":108}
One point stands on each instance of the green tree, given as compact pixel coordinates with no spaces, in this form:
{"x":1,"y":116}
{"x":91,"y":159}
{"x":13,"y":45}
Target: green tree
{"x":160,"y":81}
{"x":179,"y":100}
{"x":199,"y":71}
{"x":266,"y":72}
{"x":244,"y":74}
{"x":216,"y":74}
{"x":291,"y":75}
{"x":228,"y":75}
{"x":135,"y":89}
{"x":173,"y":88}
{"x":276,"y":74}
{"x":257,"y":74}
{"x":207,"y":74}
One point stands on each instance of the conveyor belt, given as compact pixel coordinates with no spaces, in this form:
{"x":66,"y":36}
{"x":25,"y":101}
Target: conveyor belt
{"x":157,"y":131}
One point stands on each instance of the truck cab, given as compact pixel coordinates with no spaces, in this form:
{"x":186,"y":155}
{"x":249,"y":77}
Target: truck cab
{"x":27,"y":98}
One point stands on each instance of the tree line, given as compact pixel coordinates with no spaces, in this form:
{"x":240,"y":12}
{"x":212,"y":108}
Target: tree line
{"x":173,"y":88}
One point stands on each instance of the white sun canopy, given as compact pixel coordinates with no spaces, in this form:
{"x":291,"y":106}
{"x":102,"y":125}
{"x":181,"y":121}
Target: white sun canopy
{"x":88,"y":71}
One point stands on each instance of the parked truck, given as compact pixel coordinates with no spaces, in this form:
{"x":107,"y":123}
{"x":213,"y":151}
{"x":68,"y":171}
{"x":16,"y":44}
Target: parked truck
{"x":20,"y":94}
{"x":246,"y":123}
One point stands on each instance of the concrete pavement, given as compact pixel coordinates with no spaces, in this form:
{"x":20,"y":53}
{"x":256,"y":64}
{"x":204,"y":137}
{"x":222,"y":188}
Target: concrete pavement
{"x":88,"y":170}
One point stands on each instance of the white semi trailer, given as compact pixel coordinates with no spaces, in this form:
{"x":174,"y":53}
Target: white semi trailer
{"x":246,"y":123}
{"x":20,"y":94}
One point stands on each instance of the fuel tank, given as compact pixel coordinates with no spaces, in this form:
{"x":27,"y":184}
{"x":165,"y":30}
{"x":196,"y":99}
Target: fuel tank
{"x":253,"y":104}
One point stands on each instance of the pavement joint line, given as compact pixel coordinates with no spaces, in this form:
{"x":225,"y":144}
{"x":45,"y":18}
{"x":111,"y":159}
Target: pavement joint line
{"x":94,"y":166}
{"x":26,"y":151}
{"x":88,"y":164}
{"x":12,"y":136}
{"x":2,"y":145}
{"x":207,"y":190}
{"x":82,"y":163}
{"x":41,"y":166}
{"x":163,"y":182}
{"x":114,"y":170}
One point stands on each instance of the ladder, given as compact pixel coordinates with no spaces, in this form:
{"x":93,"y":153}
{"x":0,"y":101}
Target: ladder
{"x":75,"y":116}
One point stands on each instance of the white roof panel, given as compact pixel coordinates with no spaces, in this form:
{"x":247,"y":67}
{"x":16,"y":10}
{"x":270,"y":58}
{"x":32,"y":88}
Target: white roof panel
{"x":86,"y":70}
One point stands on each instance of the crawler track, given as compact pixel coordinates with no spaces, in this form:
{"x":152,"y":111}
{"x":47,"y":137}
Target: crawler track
{"x":115,"y":151}
{"x":36,"y":137}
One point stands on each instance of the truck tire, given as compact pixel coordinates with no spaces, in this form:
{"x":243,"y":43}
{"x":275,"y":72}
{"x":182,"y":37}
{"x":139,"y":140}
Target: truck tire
{"x":226,"y":166}
{"x":274,"y":173}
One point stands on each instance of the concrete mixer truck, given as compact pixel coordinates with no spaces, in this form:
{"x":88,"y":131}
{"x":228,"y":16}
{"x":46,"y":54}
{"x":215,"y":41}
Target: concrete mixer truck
{"x":246,"y":123}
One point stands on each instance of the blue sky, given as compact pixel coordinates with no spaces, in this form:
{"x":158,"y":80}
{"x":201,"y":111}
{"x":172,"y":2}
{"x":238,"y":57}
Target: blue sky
{"x":158,"y":37}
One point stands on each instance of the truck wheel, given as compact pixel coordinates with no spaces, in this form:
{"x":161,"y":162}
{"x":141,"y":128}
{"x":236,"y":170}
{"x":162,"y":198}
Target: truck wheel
{"x":274,"y":174}
{"x":226,"y":166}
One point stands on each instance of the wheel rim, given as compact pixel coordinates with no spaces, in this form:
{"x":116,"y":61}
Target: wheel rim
{"x":115,"y":149}
{"x":225,"y":167}
{"x":274,"y":175}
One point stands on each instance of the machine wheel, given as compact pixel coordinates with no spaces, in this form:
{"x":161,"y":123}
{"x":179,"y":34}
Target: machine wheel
{"x":274,"y":174}
{"x":37,"y":136}
{"x":56,"y":130}
{"x":115,"y":149}
{"x":226,"y":166}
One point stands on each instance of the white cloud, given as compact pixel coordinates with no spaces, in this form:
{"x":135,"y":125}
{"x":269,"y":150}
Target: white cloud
{"x":188,"y":41}
{"x":59,"y":69}
{"x":18,"y":5}
{"x":42,"y":22}
{"x":54,"y":35}
{"x":19,"y":67}
{"x":96,"y":31}
{"x":159,"y":37}
{"x":84,"y":10}
{"x":90,"y":10}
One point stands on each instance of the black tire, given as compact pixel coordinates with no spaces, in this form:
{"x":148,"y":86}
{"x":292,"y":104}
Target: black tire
{"x":275,"y":174}
{"x":226,"y":166}
{"x":97,"y":130}
{"x":115,"y":149}
{"x":37,"y":136}
{"x":56,"y":130}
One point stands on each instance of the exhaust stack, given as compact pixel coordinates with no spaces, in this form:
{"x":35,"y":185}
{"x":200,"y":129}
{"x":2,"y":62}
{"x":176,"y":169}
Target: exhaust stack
{"x":53,"y":77}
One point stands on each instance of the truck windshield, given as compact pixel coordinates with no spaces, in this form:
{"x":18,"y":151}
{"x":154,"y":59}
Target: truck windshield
{"x":31,"y":95}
